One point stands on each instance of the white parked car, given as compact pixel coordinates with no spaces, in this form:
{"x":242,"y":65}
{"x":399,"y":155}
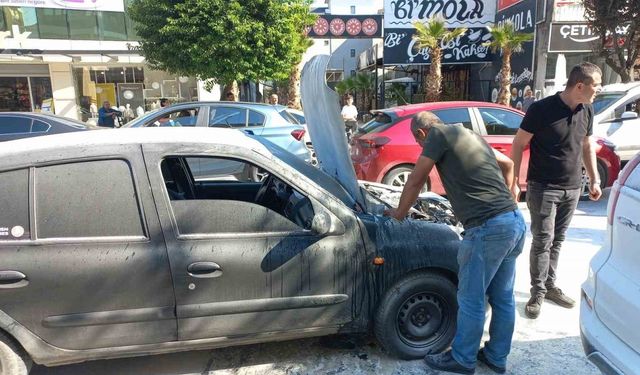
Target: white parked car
{"x":610,"y":305}
{"x":616,"y":117}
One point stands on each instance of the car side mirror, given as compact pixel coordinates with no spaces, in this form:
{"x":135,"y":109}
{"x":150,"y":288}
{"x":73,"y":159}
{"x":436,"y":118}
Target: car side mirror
{"x":321,"y":223}
{"x":629,"y":115}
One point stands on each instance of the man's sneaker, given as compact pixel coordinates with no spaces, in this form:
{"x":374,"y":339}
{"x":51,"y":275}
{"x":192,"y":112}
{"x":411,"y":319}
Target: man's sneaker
{"x":561,"y":299}
{"x":482,"y":358}
{"x":532,"y":309}
{"x":446,"y":362}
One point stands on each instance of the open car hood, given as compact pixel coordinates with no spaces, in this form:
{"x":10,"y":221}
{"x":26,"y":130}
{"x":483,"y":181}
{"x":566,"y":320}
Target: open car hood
{"x":326,"y":128}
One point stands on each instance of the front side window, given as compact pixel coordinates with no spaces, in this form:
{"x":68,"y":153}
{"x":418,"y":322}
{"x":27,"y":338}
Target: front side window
{"x":87,"y":199}
{"x":455,"y":116}
{"x":210,"y":195}
{"x":14,"y":205}
{"x":227,"y":117}
{"x":499,"y":121}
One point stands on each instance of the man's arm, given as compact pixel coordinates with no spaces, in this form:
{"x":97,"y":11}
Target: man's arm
{"x":506,"y":166}
{"x":412,"y":188}
{"x":520,"y":141}
{"x":589,"y":161}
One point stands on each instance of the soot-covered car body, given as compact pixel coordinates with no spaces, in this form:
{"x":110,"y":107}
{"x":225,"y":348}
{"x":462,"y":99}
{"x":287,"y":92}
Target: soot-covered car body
{"x":111,"y":246}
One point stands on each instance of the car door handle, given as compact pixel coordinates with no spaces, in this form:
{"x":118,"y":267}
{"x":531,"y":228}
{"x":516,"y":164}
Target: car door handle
{"x":12,"y":279}
{"x":204,"y":270}
{"x":501,"y":149}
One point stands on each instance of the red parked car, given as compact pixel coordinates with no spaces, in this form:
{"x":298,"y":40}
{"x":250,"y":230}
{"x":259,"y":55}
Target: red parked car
{"x":384,"y":149}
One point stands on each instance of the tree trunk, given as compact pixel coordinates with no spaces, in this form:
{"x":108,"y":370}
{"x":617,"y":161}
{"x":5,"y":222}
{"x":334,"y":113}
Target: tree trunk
{"x":293,"y":92}
{"x":504,"y":96}
{"x":631,"y":73}
{"x":434,"y":78}
{"x":231,"y":87}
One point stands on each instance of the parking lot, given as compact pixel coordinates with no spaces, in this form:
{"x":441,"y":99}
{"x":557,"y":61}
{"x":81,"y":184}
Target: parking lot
{"x":546,"y":346}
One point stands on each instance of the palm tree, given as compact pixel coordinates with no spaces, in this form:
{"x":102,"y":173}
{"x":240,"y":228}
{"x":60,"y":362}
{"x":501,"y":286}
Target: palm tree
{"x":433,"y":34}
{"x":506,"y":38}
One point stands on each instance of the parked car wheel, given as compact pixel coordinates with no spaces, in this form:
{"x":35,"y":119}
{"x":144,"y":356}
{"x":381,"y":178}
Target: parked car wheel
{"x":417,"y":316}
{"x":602,"y":172}
{"x":398,"y":177}
{"x":13,"y":359}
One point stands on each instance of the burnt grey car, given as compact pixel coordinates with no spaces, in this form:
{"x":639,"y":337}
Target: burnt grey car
{"x":109,"y":247}
{"x":18,"y":125}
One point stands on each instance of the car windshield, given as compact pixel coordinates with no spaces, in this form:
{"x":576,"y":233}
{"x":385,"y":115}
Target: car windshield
{"x":379,"y":123}
{"x":140,"y":121}
{"x":311,"y":172}
{"x":604,"y":100}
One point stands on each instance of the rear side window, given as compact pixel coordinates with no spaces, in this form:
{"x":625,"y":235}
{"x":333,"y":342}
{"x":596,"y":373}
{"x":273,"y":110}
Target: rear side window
{"x":227,"y":117}
{"x":455,"y":116}
{"x":14,"y":205}
{"x":255,"y":119}
{"x":500,"y":121}
{"x":88,"y":199}
{"x":39,"y":127}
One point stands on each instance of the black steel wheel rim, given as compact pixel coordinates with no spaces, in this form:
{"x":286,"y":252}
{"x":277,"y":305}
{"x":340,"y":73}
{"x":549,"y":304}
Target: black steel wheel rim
{"x":422,"y":319}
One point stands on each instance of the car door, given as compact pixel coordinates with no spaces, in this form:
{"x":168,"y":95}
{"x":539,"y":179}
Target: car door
{"x":242,"y":268}
{"x":499,"y":127}
{"x":83,"y":262}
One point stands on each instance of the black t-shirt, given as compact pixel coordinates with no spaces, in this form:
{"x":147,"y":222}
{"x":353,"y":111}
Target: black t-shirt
{"x":556,"y":146}
{"x":470,"y":174}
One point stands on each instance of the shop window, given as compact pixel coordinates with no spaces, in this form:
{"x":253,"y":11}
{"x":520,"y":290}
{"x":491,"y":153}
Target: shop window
{"x":3,"y":24}
{"x":52,"y":23}
{"x":40,"y":91}
{"x":14,"y":94}
{"x":24,"y":18}
{"x":83,"y":25}
{"x":131,"y":29}
{"x":112,"y":26}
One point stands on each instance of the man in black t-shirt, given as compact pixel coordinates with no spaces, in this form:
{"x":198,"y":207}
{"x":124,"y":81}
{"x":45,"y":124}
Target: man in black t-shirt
{"x":476,"y":179}
{"x":558,"y":129}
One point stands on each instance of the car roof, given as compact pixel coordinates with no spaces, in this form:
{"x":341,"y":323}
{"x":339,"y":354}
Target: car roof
{"x":231,"y":104}
{"x":623,"y":87}
{"x":162,"y":135}
{"x":411,"y":109}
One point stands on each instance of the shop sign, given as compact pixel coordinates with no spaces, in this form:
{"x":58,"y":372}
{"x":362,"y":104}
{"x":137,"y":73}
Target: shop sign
{"x":346,"y":26}
{"x":401,"y":14}
{"x":102,"y":5}
{"x":579,"y":37}
{"x":400,"y":48}
{"x":503,"y":4}
{"x":523,"y":16}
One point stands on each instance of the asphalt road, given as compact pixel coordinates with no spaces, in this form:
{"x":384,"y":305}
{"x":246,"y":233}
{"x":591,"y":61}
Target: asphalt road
{"x":549,"y":345}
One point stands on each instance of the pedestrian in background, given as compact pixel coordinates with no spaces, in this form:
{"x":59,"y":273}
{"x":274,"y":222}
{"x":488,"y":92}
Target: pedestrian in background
{"x":273,"y":99}
{"x":528,"y":99}
{"x":476,"y":178}
{"x":558,"y":129}
{"x":107,"y":115}
{"x":350,"y":115}
{"x":164,"y":102}
{"x":230,"y":96}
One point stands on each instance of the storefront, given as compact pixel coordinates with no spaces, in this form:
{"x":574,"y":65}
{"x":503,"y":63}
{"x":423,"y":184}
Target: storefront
{"x":25,"y":87}
{"x":133,"y":89}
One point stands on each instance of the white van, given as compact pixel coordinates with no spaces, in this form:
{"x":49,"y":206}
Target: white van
{"x":610,"y":303}
{"x":616,"y":117}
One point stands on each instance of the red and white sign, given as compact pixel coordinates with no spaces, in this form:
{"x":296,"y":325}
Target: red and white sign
{"x":321,"y":26}
{"x":354,"y":26}
{"x":337,"y":26}
{"x":369,"y":26}
{"x":502,"y":4}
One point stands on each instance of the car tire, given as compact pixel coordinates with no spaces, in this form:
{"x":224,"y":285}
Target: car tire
{"x":398,"y":177}
{"x":13,"y":359}
{"x":417,"y":316}
{"x":602,"y":172}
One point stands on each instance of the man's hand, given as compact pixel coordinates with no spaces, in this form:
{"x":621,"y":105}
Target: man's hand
{"x":594,"y":191}
{"x":515,"y":191}
{"x":393,"y":213}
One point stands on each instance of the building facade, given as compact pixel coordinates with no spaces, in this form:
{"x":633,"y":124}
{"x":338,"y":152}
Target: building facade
{"x":70,"y":57}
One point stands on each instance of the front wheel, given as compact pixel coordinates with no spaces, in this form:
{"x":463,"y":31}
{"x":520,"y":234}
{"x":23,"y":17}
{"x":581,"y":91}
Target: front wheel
{"x":417,"y":316}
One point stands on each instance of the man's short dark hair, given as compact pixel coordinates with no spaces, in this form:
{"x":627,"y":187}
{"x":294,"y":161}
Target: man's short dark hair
{"x":229,"y":94}
{"x":424,"y":120}
{"x":583,"y":73}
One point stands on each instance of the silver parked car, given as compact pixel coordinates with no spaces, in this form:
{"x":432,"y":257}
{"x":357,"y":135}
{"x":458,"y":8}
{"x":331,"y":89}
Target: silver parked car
{"x":253,"y":118}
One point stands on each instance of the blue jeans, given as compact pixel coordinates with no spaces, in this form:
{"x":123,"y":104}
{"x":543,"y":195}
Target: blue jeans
{"x":487,"y":260}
